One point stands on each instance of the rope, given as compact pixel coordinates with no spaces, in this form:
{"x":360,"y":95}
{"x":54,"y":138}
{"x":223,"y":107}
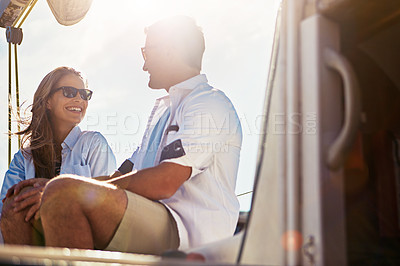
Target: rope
{"x":9,"y":103}
{"x":31,"y":5}
{"x":20,"y":15}
{"x":244,"y":193}
{"x":14,"y":36}
{"x":17,"y":93}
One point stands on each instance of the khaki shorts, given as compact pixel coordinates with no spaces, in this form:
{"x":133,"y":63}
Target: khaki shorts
{"x":147,"y":227}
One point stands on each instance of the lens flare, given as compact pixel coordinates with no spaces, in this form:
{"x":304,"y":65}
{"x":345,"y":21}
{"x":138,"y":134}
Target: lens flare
{"x":292,"y":240}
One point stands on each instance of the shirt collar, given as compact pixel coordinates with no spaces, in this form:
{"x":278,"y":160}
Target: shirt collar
{"x":189,"y":84}
{"x":72,"y":138}
{"x":181,"y":90}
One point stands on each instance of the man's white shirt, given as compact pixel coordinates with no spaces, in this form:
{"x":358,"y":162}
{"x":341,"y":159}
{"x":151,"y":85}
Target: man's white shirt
{"x":204,"y":133}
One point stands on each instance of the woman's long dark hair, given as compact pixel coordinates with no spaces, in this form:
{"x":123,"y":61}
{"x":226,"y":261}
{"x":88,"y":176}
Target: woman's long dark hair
{"x":38,"y":139}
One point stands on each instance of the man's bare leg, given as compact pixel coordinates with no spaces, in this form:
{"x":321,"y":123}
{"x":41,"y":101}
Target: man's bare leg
{"x":81,"y":212}
{"x":15,"y":229}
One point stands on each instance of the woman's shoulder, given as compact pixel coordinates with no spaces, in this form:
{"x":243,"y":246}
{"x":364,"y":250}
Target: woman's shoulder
{"x":20,"y":157}
{"x":89,"y":136}
{"x":23,"y":154}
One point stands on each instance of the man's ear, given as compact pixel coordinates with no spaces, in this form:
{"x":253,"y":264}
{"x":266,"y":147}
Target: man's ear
{"x":172,"y":51}
{"x":168,"y":53}
{"x":175,"y":56}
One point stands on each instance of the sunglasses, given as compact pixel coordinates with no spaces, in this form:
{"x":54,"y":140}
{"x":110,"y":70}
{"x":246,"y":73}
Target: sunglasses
{"x":71,"y":92}
{"x":144,"y":53}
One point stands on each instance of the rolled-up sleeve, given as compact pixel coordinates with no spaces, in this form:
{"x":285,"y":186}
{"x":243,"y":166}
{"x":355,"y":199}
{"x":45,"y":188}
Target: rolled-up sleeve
{"x":207,"y":125}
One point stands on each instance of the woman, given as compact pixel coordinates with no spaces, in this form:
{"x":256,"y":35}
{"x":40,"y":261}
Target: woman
{"x":52,"y":144}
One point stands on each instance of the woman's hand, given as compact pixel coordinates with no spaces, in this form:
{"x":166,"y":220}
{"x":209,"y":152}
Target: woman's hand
{"x":10,"y":192}
{"x":29,"y":194}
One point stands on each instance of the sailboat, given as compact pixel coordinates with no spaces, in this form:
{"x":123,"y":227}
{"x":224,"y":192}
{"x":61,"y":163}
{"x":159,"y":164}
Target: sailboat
{"x":327,"y":179}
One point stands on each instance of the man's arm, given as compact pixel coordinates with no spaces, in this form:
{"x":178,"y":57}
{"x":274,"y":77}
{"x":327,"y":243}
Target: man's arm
{"x":155,"y":183}
{"x":108,"y":177}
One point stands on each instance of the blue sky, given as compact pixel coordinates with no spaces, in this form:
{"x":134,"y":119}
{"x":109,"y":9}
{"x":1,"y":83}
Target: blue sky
{"x":105,"y":46}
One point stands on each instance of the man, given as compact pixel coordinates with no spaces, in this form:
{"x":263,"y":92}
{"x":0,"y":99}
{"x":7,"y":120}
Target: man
{"x":180,"y":191}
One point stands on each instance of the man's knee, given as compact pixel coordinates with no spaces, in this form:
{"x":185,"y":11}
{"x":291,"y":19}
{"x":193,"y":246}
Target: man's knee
{"x":67,"y":185}
{"x":64,"y":187}
{"x":78,"y":192}
{"x":57,"y":190}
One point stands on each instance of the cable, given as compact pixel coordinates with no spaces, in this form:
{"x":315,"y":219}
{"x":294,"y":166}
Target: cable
{"x":17,"y":93}
{"x":244,"y":193}
{"x":20,"y":15}
{"x":9,"y":103}
{"x":31,"y":5}
{"x":14,"y":36}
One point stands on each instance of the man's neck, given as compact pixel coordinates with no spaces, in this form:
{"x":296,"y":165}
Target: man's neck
{"x":183,"y":76}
